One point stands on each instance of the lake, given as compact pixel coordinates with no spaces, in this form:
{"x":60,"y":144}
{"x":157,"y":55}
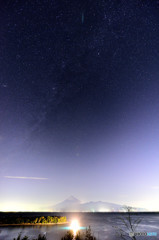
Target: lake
{"x":100,"y":223}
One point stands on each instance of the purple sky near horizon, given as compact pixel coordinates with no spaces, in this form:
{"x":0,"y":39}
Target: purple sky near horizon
{"x":79,"y":103}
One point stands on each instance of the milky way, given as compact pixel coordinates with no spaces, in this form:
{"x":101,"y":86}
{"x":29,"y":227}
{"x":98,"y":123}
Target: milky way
{"x":79,"y":95}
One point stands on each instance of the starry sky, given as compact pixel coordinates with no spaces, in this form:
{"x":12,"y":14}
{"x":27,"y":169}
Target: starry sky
{"x":79,"y":102}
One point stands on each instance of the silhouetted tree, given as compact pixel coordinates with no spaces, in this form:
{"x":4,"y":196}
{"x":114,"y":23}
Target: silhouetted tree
{"x":127,"y":226}
{"x":40,"y":237}
{"x":88,"y":235}
{"x":85,"y":236}
{"x":68,"y":236}
{"x":19,"y":237}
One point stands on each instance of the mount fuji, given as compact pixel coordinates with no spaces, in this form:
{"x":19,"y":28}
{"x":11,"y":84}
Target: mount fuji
{"x":73,"y":204}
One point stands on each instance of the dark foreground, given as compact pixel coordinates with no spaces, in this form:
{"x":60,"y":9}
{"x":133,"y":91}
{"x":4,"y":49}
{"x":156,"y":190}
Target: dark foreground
{"x":101,"y":225}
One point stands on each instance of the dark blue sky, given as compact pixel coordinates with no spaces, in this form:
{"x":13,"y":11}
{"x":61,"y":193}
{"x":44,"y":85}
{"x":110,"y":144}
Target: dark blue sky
{"x":79,"y":102}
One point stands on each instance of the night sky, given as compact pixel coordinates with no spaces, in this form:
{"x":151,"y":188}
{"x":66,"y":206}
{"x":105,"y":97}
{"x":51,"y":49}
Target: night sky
{"x":79,"y":102}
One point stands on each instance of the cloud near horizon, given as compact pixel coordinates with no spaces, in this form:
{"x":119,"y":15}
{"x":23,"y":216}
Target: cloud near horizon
{"x":29,"y":178}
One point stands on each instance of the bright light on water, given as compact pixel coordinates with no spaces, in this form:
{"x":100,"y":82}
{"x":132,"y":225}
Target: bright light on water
{"x":75,"y":226}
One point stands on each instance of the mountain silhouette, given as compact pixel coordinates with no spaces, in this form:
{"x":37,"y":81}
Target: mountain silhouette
{"x":72,"y":204}
{"x":68,"y":205}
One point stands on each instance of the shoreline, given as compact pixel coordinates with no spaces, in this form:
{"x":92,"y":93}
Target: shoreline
{"x":30,"y":224}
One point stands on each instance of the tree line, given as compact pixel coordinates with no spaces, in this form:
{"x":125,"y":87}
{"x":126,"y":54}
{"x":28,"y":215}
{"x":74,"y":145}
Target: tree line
{"x":33,"y":220}
{"x":68,"y":236}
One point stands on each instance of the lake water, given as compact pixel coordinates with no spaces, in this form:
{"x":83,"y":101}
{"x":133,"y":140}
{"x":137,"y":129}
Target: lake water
{"x":100,"y":223}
